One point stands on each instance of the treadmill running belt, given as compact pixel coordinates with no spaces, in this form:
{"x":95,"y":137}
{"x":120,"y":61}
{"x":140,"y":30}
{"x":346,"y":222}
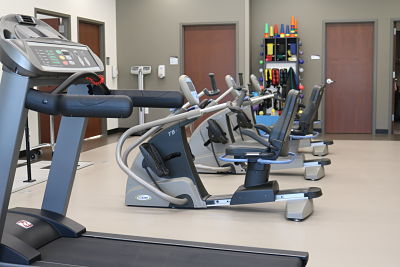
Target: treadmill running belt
{"x":87,"y":251}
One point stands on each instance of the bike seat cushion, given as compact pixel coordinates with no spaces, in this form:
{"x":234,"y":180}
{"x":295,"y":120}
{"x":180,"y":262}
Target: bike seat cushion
{"x":243,"y":150}
{"x":298,"y":132}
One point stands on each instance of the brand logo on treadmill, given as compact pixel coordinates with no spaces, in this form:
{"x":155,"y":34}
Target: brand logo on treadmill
{"x":24,"y":224}
{"x":143,"y":197}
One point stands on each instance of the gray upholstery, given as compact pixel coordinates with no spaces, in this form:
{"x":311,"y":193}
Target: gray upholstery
{"x":307,"y":117}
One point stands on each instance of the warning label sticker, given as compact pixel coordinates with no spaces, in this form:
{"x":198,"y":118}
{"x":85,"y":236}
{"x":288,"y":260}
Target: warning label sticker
{"x":24,"y":224}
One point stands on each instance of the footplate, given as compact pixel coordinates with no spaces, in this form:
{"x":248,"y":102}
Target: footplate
{"x":300,"y":193}
{"x":324,"y":142}
{"x":227,"y":168}
{"x":317,"y":162}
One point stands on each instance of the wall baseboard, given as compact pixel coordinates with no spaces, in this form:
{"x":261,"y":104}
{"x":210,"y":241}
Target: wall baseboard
{"x":381,"y":131}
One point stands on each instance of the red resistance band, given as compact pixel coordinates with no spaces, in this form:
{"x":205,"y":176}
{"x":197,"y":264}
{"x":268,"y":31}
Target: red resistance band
{"x":92,"y":81}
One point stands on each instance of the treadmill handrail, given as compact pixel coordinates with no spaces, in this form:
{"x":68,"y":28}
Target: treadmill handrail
{"x":152,"y":98}
{"x":99,"y":106}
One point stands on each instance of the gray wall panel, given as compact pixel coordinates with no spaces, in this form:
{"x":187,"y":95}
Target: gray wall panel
{"x":148,"y":32}
{"x":311,"y":14}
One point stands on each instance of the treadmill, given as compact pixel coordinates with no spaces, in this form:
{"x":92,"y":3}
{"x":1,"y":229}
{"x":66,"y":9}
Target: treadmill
{"x":34,"y":54}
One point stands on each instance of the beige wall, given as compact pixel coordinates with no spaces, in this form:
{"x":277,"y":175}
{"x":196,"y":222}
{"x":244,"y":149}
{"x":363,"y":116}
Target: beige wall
{"x":148,"y":32}
{"x":311,"y":14}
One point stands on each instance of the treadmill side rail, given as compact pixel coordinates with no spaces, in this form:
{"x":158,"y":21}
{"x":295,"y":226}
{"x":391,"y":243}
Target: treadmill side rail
{"x":303,"y":256}
{"x":15,"y":250}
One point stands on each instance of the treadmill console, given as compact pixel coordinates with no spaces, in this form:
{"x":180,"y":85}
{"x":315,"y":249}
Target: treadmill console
{"x":189,"y":90}
{"x":53,"y":57}
{"x":30,"y":47}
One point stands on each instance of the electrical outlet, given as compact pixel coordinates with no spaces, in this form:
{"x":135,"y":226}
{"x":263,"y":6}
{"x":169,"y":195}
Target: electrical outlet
{"x":146,"y":110}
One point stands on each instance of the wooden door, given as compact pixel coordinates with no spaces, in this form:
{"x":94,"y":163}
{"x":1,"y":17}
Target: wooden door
{"x":395,"y":76}
{"x":53,"y":22}
{"x":349,"y":62}
{"x":209,"y":48}
{"x":89,"y":34}
{"x":396,"y":81}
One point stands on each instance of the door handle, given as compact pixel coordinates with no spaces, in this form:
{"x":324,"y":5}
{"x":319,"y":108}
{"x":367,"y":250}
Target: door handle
{"x":329,"y":81}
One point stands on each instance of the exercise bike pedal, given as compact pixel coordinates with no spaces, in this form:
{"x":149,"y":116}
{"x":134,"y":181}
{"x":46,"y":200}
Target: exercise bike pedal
{"x":231,"y":171}
{"x":317,"y":162}
{"x":299,"y":193}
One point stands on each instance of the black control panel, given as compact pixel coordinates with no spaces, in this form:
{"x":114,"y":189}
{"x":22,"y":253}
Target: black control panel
{"x":51,"y":56}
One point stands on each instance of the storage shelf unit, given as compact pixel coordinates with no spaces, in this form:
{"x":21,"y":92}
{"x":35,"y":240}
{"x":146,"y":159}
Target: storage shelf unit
{"x":280,"y":54}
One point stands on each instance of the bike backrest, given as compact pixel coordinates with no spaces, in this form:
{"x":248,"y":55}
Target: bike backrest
{"x":306,"y":119}
{"x":279,"y":135}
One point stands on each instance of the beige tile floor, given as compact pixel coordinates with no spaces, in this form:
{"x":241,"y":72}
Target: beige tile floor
{"x":355,"y":222}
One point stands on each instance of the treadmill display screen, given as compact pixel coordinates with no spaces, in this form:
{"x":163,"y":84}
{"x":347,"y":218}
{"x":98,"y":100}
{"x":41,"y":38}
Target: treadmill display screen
{"x":54,"y":57}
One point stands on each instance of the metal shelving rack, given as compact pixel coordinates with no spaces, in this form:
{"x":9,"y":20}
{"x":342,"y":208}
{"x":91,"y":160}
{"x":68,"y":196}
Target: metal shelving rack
{"x":277,"y":63}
